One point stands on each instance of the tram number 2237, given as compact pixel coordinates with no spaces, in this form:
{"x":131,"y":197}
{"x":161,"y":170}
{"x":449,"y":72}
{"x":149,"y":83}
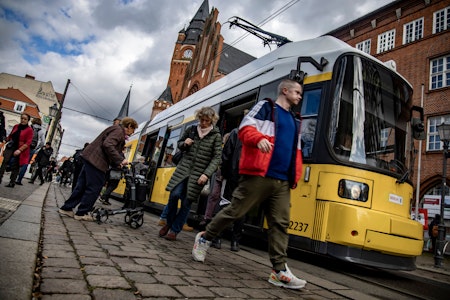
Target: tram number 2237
{"x":298,"y":226}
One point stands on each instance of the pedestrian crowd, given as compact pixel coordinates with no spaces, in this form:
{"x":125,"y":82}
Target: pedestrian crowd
{"x":254,"y":165}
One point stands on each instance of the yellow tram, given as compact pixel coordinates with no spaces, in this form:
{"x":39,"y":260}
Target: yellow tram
{"x":353,"y":201}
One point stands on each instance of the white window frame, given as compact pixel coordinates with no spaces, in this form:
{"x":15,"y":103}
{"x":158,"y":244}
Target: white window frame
{"x":364,"y":46}
{"x":441,"y":20}
{"x":413,"y":31}
{"x":440,"y":72}
{"x":386,"y":41}
{"x":433,"y":141}
{"x":19,"y":106}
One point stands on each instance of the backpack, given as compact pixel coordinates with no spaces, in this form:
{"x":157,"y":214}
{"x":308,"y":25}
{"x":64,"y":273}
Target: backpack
{"x":77,"y":160}
{"x":35,"y":139}
{"x":179,"y":155}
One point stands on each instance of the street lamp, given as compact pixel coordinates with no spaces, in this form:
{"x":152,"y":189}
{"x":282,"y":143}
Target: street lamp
{"x":444,"y":135}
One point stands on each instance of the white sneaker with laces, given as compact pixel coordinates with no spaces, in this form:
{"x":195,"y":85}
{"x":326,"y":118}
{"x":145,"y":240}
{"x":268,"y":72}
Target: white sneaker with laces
{"x":286,"y":279}
{"x":200,"y":248}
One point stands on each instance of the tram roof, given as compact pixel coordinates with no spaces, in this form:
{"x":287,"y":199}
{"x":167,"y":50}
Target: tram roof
{"x":324,"y":46}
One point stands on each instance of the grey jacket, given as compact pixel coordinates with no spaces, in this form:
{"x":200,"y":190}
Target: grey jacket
{"x":202,"y":157}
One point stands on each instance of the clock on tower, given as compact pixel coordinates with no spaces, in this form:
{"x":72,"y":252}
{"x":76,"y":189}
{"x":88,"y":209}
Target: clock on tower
{"x":187,"y":54}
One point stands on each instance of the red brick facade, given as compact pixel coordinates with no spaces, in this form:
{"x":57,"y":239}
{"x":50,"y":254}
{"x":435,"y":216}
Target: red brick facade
{"x":188,"y":75}
{"x":413,"y":62}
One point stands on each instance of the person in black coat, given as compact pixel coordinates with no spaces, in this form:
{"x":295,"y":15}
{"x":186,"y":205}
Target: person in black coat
{"x":42,"y":160}
{"x":433,"y":232}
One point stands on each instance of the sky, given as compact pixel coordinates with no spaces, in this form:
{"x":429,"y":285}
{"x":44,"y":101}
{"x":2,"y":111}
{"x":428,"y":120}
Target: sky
{"x":106,"y":47}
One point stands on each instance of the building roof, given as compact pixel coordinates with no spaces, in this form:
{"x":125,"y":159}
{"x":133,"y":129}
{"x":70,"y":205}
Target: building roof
{"x":125,"y":107}
{"x":9,"y":97}
{"x":197,"y":24}
{"x":166,"y":95}
{"x":232,"y":59}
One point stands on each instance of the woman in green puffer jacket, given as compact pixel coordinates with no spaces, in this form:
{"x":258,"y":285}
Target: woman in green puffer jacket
{"x":203,"y":148}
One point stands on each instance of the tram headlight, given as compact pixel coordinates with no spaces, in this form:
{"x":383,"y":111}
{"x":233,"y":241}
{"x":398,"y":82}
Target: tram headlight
{"x":353,"y":190}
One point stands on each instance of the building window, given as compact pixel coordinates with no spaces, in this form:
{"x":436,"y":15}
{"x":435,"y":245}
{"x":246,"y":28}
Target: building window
{"x":413,"y":31}
{"x":440,"y":72}
{"x":364,"y":46}
{"x":19,"y":106}
{"x":386,"y":41}
{"x":441,"y":20}
{"x":433,"y":141}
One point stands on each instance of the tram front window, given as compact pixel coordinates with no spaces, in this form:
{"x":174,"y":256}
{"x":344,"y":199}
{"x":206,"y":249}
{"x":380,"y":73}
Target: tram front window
{"x":370,"y":114}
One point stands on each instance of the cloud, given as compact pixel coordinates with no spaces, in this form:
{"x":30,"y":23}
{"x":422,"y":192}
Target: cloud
{"x":106,"y":46}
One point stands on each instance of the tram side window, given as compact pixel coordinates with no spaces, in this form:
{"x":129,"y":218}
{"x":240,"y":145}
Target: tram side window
{"x":171,"y":148}
{"x":309,"y":112}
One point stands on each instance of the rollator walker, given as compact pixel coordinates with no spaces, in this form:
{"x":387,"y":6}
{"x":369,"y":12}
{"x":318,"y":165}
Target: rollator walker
{"x":133,"y":207}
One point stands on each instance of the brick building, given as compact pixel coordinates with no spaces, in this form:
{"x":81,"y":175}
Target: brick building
{"x":416,"y":35}
{"x":199,"y":58}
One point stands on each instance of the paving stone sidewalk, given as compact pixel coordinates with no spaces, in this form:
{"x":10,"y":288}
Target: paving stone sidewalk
{"x":86,"y":260}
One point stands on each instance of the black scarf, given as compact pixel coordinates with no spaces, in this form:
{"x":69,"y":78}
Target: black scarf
{"x":16,"y":135}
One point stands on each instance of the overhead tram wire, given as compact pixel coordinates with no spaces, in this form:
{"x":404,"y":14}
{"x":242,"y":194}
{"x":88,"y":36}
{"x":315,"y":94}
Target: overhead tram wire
{"x":83,"y":95}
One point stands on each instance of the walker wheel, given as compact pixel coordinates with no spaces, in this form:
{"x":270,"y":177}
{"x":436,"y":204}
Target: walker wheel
{"x":137,"y":220}
{"x":100,"y":215}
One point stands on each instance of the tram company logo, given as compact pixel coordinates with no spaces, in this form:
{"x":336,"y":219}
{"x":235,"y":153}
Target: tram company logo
{"x":395,"y":199}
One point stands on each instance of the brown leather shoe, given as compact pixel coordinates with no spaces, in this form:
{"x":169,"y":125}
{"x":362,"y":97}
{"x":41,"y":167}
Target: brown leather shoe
{"x":164,"y":230}
{"x":186,"y":227}
{"x":171,"y":236}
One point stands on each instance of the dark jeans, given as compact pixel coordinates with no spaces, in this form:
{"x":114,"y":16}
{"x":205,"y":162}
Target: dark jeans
{"x":76,"y":173}
{"x":90,"y":183}
{"x":177,"y":217}
{"x":9,"y":158}
{"x":38,"y":173}
{"x":23,"y":169}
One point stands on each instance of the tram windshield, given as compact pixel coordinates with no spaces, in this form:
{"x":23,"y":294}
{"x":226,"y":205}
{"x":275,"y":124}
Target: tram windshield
{"x":370,"y":114}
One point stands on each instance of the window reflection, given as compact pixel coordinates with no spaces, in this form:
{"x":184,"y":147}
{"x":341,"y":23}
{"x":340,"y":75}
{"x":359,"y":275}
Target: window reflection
{"x":370,"y":116}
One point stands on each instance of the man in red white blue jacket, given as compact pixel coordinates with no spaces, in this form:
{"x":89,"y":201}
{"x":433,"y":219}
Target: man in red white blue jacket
{"x":270,"y":164}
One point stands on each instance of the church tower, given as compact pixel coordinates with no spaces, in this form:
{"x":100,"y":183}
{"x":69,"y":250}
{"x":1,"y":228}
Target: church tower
{"x":185,"y":47}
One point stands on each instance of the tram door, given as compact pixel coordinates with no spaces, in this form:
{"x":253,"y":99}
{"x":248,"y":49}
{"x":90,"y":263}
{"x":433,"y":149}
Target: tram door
{"x":157,"y":184}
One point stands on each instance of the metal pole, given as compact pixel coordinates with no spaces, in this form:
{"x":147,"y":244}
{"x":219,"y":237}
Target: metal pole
{"x":440,"y":243}
{"x":55,"y":120}
{"x":419,"y":167}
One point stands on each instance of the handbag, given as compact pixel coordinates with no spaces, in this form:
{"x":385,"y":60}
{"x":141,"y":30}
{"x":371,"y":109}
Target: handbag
{"x":9,"y":145}
{"x":177,"y":157}
{"x":205,"y":190}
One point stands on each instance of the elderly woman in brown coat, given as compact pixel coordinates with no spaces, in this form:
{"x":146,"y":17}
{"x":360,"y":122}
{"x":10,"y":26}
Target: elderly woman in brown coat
{"x":103,"y":152}
{"x":203,"y":147}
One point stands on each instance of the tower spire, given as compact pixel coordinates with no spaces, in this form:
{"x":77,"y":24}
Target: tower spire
{"x":125,"y":106}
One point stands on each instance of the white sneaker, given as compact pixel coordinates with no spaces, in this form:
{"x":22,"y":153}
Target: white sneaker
{"x":200,"y":248}
{"x":286,"y":279}
{"x":87,"y":217}
{"x":68,"y":213}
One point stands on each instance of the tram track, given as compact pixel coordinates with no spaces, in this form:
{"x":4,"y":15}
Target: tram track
{"x":381,"y":283}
